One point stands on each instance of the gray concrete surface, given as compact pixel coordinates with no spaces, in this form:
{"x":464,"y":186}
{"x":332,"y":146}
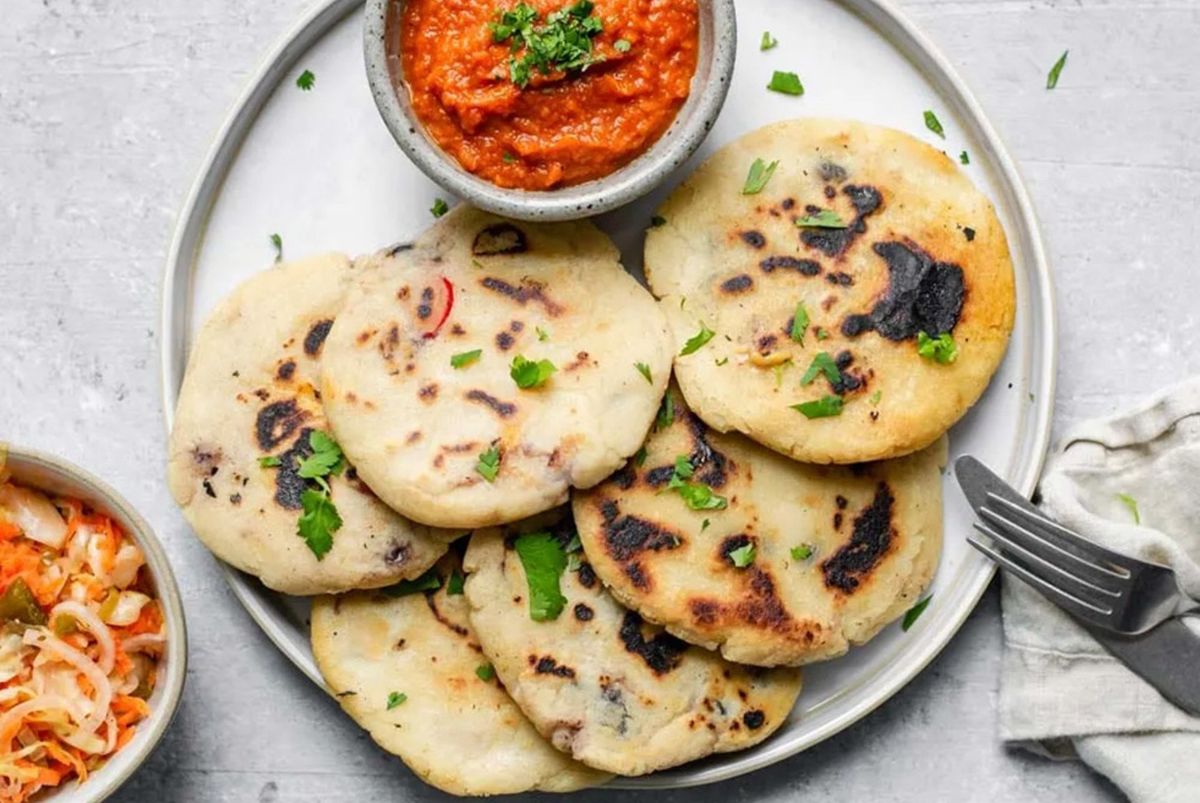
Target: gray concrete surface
{"x":106,"y":108}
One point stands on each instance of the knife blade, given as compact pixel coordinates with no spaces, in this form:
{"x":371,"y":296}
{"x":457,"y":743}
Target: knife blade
{"x":1165,"y":657}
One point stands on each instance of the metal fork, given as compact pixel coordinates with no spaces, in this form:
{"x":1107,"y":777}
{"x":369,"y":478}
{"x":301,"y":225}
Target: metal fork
{"x":1096,"y":585}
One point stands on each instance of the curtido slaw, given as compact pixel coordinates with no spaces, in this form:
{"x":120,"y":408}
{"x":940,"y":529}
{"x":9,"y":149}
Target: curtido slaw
{"x":81,"y":634}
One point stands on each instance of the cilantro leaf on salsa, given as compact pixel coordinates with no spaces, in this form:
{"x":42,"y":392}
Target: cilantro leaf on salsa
{"x":824,"y":219}
{"x":465,"y":358}
{"x":787,"y":83}
{"x":760,"y":173}
{"x":318,"y":522}
{"x":622,"y":45}
{"x":941,"y":349}
{"x":563,"y":43}
{"x":529,"y":374}
{"x":697,"y":341}
{"x":824,"y":407}
{"x":544,"y":560}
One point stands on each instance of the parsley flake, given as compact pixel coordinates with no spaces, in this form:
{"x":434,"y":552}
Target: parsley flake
{"x":697,"y":341}
{"x":743,"y":556}
{"x":802,"y":552}
{"x":269,"y":461}
{"x":822,"y":334}
{"x":799,"y":323}
{"x":941,"y":349}
{"x":465,"y":358}
{"x":644,"y":370}
{"x":786,"y":83}
{"x":489,"y":464}
{"x":542,"y":334}
{"x":439,"y":208}
{"x":760,"y":173}
{"x":767,"y":41}
{"x":529,"y":374}
{"x":824,"y":219}
{"x":544,"y":560}
{"x":508,"y":158}
{"x":934,"y":124}
{"x":1056,"y":70}
{"x":429,"y":581}
{"x":704,"y":525}
{"x":277,"y":241}
{"x":306,"y":80}
{"x":823,"y":363}
{"x":964,"y":158}
{"x":485,"y":672}
{"x":914,"y":613}
{"x":1132,"y":504}
{"x":824,"y":407}
{"x":876,"y":396}
{"x":395,"y":698}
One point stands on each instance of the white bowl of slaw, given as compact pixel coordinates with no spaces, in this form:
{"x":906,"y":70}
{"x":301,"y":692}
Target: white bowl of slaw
{"x":43,"y":472}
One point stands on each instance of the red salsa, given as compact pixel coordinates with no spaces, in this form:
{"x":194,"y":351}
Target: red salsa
{"x":543,"y":94}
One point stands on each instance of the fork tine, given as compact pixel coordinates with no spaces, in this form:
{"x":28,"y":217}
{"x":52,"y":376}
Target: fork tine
{"x":1050,"y":571}
{"x":1067,"y":539}
{"x":1098,"y":577}
{"x":1076,"y":607}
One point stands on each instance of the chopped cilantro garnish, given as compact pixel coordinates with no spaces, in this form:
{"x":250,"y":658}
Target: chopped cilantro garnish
{"x":941,"y":349}
{"x":824,"y":407}
{"x":788,"y":83}
{"x":934,"y":124}
{"x":1056,"y":70}
{"x":914,"y":613}
{"x":666,"y":413}
{"x":721,"y":361}
{"x":509,"y":158}
{"x":542,"y":334}
{"x":269,"y":461}
{"x":822,"y":364}
{"x":822,"y":334}
{"x":876,"y":396}
{"x":489,"y":464}
{"x":306,"y":80}
{"x":639,"y":457}
{"x":799,"y":323}
{"x":326,"y":458}
{"x":644,"y":370}
{"x":485,"y":672}
{"x":454,"y":586}
{"x":697,"y":341}
{"x":529,"y":374}
{"x":429,"y":581}
{"x":824,"y":219}
{"x":544,"y":560}
{"x":704,"y":525}
{"x":465,"y":358}
{"x":699,"y":497}
{"x":964,"y":158}
{"x":395,"y":698}
{"x":743,"y":556}
{"x":439,"y":208}
{"x":657,"y":220}
{"x":760,"y":173}
{"x":318,"y":522}
{"x":683,"y":467}
{"x":767,"y":41}
{"x":563,"y":43}
{"x":277,"y":241}
{"x":621,"y":45}
{"x":1132,"y":504}
{"x":802,"y":552}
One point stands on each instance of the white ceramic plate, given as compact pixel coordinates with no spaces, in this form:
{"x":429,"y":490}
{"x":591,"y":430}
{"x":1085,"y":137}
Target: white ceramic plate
{"x":320,"y":168}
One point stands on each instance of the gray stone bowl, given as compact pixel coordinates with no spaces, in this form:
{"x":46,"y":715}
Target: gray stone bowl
{"x":710,"y":84}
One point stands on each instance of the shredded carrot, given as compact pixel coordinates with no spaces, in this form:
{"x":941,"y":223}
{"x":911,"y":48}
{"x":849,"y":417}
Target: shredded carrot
{"x":149,"y":620}
{"x":8,"y":530}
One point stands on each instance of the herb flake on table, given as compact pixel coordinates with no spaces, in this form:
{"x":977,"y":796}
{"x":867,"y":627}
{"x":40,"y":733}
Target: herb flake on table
{"x":429,"y":581}
{"x":544,"y":560}
{"x":465,"y":358}
{"x":941,"y":349}
{"x":439,"y":208}
{"x":760,"y":173}
{"x":767,"y":42}
{"x":824,"y":407}
{"x":786,"y":83}
{"x":306,"y":80}
{"x":1056,"y":70}
{"x":823,"y":363}
{"x":395,"y":698}
{"x":488,"y":465}
{"x":1132,"y":505}
{"x":530,"y":374}
{"x":697,"y":341}
{"x":934,"y":124}
{"x":822,"y":219}
{"x":644,"y":370}
{"x":562,"y":44}
{"x":964,"y":158}
{"x":277,"y":242}
{"x":914,"y":613}
{"x":799,"y":323}
{"x":743,"y":556}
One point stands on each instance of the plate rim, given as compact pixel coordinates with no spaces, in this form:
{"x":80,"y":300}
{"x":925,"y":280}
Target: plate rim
{"x":888,"y":22}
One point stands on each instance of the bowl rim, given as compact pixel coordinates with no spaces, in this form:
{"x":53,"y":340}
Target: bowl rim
{"x":125,"y":762}
{"x":625,"y":184}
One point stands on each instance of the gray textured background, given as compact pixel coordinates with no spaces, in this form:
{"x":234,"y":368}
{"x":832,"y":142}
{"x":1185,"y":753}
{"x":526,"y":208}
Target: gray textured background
{"x":106,"y":109}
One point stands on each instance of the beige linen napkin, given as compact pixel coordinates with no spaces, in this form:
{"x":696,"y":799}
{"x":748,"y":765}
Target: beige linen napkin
{"x":1061,"y":694}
